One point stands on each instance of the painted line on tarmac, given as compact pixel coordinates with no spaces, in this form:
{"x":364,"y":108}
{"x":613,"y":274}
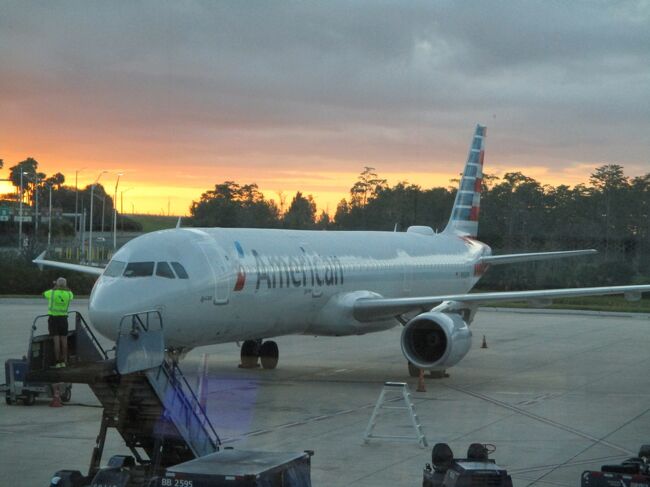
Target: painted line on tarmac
{"x":313,"y":419}
{"x":544,"y":420}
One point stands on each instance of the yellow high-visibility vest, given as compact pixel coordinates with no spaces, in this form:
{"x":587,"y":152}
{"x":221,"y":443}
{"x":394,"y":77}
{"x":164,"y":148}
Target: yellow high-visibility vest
{"x":58,"y":301}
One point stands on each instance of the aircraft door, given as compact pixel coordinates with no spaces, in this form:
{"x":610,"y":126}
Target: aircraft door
{"x":220,"y":272}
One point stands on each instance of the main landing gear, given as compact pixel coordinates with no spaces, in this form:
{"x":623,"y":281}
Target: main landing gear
{"x":267,"y":352}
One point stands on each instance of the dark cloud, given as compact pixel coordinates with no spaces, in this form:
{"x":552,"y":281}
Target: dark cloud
{"x":386,"y":81}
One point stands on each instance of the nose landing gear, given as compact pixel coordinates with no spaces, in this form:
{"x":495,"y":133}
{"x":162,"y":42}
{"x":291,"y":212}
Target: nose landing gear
{"x":267,"y":352}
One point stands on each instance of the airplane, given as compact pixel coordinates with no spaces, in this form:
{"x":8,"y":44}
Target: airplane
{"x":218,"y":285}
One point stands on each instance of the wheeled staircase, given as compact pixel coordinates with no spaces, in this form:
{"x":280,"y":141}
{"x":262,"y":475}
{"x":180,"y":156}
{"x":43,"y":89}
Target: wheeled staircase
{"x":144,"y":396}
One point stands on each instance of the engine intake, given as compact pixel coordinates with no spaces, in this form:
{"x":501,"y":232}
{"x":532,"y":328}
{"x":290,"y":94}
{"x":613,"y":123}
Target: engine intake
{"x":436,"y":340}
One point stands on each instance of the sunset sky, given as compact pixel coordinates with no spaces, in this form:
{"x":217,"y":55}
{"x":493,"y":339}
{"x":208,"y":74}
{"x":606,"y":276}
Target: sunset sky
{"x":301,"y":95}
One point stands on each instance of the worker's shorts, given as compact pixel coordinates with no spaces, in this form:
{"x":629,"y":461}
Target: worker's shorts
{"x":57,"y":325}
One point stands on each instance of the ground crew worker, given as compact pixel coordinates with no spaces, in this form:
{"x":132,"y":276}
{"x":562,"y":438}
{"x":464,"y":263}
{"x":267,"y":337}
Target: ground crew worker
{"x":59,"y":298}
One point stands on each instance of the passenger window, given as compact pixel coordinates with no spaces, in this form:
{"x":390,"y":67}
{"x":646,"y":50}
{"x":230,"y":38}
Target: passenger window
{"x":180,"y":270}
{"x":115,"y":268}
{"x":163,"y":270}
{"x":139,"y":269}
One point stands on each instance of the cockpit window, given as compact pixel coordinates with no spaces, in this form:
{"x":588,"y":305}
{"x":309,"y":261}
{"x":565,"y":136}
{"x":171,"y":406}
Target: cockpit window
{"x":138,"y":269}
{"x":114,"y":268}
{"x":180,"y":270}
{"x":163,"y":270}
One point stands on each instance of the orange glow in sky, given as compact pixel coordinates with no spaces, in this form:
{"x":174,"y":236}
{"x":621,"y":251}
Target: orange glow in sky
{"x":160,"y":192}
{"x":154,"y":182}
{"x":159,"y":178}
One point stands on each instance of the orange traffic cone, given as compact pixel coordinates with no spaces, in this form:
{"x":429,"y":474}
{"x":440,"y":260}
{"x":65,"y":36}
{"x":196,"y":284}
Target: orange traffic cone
{"x":56,"y":397}
{"x":484,"y":344}
{"x":421,"y":386}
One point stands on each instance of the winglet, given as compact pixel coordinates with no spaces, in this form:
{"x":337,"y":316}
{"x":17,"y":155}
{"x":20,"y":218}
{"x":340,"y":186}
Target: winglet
{"x":38,"y":260}
{"x":178,"y":223}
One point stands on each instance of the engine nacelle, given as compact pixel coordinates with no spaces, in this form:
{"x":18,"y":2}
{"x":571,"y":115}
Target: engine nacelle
{"x":436,"y":340}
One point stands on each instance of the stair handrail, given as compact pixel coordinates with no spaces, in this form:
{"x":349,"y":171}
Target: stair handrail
{"x":78,"y":318}
{"x":176,"y":377}
{"x":174,"y":374}
{"x":137,"y":320}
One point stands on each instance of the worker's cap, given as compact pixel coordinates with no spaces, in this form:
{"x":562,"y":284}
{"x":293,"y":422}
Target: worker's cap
{"x":61,"y":282}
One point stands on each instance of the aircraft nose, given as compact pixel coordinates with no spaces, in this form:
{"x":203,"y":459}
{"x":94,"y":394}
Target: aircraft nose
{"x":109,"y":302}
{"x":104,"y":311}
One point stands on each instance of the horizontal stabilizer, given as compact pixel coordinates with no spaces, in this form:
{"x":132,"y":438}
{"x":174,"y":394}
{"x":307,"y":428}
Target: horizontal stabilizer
{"x":532,"y":256}
{"x":86,"y":269}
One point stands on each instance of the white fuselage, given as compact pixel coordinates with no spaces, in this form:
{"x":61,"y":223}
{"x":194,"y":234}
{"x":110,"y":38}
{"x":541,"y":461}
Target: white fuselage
{"x":259,"y":283}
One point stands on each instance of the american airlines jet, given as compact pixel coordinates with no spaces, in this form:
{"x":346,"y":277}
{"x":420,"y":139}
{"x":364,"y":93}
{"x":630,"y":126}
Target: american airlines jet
{"x":216,"y":285}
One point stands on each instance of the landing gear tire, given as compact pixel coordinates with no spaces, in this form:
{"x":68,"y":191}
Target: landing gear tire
{"x":66,"y":395}
{"x":413,"y":370}
{"x":269,"y":354}
{"x":29,"y":399}
{"x":249,"y":354}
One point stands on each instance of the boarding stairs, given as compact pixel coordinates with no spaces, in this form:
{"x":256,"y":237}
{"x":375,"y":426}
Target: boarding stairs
{"x":144,"y":395}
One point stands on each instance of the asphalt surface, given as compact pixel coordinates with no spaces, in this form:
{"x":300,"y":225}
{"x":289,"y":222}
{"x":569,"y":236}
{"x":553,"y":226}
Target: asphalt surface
{"x":556,"y":393}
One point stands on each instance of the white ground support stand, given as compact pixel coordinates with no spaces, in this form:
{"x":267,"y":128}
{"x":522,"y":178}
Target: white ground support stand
{"x":396,"y":390}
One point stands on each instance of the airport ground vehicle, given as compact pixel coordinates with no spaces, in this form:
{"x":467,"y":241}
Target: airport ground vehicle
{"x":148,"y":401}
{"x":18,"y":389}
{"x":477,"y":470}
{"x":633,"y":472}
{"x":227,"y":467}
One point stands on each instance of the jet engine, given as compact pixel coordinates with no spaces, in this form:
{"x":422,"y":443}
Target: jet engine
{"x":436,"y":340}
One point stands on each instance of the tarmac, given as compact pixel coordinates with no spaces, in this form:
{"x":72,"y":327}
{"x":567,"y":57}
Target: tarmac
{"x":556,"y":393}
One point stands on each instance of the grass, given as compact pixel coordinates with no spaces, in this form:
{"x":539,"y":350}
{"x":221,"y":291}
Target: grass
{"x":593,"y":303}
{"x":151,"y":223}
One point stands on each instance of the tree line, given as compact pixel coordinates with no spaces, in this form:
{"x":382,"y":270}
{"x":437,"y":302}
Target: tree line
{"x":610,"y":212}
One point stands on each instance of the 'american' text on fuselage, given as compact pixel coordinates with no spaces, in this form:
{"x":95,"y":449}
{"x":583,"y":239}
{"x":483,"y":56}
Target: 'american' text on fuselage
{"x":299,"y":271}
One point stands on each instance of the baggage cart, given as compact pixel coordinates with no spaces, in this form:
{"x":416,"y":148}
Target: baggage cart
{"x":18,"y":389}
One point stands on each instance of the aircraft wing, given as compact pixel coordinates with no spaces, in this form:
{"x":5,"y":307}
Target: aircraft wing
{"x":370,"y":309}
{"x":86,"y":269}
{"x":531,"y":256}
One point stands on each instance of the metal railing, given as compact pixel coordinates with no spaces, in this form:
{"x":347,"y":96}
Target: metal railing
{"x":192,"y":401}
{"x":136,"y":320}
{"x":189,"y":413}
{"x":80,"y":323}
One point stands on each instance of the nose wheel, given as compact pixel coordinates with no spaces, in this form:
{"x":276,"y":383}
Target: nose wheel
{"x":267,"y":352}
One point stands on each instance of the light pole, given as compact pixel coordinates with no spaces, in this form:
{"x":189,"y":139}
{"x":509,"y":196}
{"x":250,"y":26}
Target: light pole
{"x":49,"y":222}
{"x":103,"y":209}
{"x":90,"y":233}
{"x":36,"y":181}
{"x":77,"y":221}
{"x":20,"y":213}
{"x":115,"y":212}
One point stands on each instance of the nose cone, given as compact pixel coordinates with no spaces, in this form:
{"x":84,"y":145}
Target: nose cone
{"x":103,"y":308}
{"x":110,"y":300}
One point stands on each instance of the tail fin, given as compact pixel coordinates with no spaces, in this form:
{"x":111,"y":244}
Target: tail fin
{"x":464,"y":216}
